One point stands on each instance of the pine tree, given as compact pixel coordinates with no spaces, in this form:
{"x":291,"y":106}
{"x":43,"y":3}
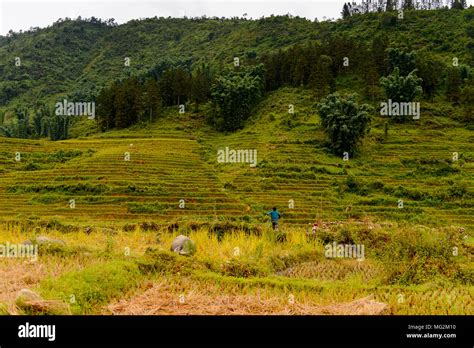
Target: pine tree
{"x":120,"y":105}
{"x":345,"y":11}
{"x":389,"y":6}
{"x":379,"y":47}
{"x":458,"y":4}
{"x":106,"y":108}
{"x":431,"y":70}
{"x":201,"y":85}
{"x":151,"y":100}
{"x":181,"y":86}
{"x":467,"y":100}
{"x":299,"y":71}
{"x":40,"y":115}
{"x":408,"y":5}
{"x":453,"y":85}
{"x":322,"y":80}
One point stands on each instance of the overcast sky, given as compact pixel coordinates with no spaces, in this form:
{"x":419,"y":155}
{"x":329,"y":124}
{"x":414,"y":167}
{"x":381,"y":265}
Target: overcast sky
{"x":23,"y":14}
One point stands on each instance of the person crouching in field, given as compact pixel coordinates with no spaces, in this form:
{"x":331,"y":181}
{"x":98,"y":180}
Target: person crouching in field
{"x":275,"y":216}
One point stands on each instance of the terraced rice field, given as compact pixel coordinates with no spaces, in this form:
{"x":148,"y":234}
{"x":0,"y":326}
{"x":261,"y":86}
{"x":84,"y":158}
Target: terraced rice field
{"x":172,"y":175}
{"x":136,"y":189}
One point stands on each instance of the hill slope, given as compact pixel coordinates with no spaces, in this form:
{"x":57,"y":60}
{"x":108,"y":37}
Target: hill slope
{"x":176,"y":158}
{"x":76,"y":58}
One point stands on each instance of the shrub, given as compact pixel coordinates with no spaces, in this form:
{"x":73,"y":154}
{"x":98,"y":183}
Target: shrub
{"x":31,"y":166}
{"x":241,"y":268}
{"x":345,"y":121}
{"x":234,"y":96}
{"x":404,"y":89}
{"x":164,"y":262}
{"x":93,"y":286}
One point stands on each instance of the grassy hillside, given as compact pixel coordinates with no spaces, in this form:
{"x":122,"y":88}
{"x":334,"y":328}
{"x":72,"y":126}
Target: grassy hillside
{"x":243,"y":274}
{"x":76,"y":58}
{"x":117,"y":199}
{"x":176,"y":158}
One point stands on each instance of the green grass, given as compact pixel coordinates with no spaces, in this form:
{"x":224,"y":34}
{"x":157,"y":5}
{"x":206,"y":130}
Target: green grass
{"x":171,"y":162}
{"x":413,"y":261}
{"x":87,"y":289}
{"x":409,"y":250}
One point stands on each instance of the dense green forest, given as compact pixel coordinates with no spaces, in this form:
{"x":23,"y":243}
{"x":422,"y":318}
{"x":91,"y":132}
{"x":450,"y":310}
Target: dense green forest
{"x":133,"y":71}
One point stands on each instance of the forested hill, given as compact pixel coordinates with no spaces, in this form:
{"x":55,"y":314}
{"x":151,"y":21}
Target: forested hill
{"x":77,"y":57}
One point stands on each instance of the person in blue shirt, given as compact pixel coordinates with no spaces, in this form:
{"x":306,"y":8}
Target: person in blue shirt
{"x":275,"y":216}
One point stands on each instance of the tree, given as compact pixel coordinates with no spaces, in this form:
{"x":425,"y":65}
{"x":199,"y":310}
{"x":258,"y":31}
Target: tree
{"x":106,"y":108}
{"x":201,"y":85}
{"x":181,"y":86}
{"x":453,"y":84}
{"x":39,"y":124}
{"x":389,"y":6}
{"x":345,"y":11}
{"x":379,"y":52}
{"x":234,"y":96}
{"x":458,"y":4}
{"x":408,"y":5}
{"x":23,"y":122}
{"x":467,"y":100}
{"x":175,"y":86}
{"x":371,"y":79}
{"x":322,"y":79}
{"x":59,"y":127}
{"x":152,"y":102}
{"x":431,"y":70}
{"x":405,"y":61}
{"x":127,"y":102}
{"x":401,"y":88}
{"x":345,"y":122}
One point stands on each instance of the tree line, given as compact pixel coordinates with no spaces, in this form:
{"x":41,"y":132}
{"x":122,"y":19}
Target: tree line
{"x":135,"y":99}
{"x":42,"y":122}
{"x":366,"y":6}
{"x":395,"y":73}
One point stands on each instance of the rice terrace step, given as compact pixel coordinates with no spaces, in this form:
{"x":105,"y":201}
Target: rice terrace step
{"x":253,"y":165}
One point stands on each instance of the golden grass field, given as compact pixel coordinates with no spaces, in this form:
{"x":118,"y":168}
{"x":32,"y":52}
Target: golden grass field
{"x":117,"y":258}
{"x":113,"y":273}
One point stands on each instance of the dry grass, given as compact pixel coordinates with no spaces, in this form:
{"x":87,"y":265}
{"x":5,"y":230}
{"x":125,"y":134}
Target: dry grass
{"x":319,"y":286}
{"x":331,"y":270}
{"x":183,"y":297}
{"x":16,"y":275}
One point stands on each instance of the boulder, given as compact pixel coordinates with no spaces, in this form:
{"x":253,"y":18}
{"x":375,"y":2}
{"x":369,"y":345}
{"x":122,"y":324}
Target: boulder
{"x":29,"y":302}
{"x":183,"y":245}
{"x":43,"y":240}
{"x":25,"y":297}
